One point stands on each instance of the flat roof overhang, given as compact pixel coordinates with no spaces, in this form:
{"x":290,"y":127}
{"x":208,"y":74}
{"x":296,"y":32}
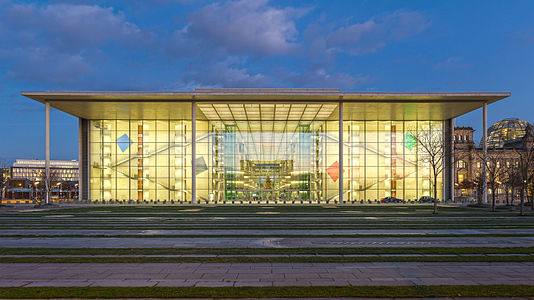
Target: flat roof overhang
{"x":176,"y":105}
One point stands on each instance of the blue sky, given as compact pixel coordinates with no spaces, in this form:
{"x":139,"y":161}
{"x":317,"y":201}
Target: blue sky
{"x":165,"y":45}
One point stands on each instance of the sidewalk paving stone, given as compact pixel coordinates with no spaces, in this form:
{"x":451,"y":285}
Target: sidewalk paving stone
{"x":386,"y":273}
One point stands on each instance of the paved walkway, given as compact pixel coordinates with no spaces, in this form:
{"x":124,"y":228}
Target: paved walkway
{"x":201,"y":232}
{"x":264,"y":255}
{"x":265,"y":274}
{"x":258,"y":242}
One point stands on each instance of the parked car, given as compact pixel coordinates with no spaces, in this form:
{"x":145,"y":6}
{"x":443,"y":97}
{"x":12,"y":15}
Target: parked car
{"x":427,"y":199}
{"x":390,"y":199}
{"x":463,"y":199}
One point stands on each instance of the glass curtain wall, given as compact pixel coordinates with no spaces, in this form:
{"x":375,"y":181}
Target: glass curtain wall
{"x":255,"y":154}
{"x":140,"y":161}
{"x":254,"y":162}
{"x":384,"y":158}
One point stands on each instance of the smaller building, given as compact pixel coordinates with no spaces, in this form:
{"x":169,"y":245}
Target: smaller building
{"x":25,"y":181}
{"x":17,"y":189}
{"x":505,"y":140}
{"x":34,"y":170}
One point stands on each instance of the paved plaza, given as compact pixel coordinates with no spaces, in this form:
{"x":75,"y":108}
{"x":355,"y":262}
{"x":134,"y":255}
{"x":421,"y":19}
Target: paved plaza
{"x":266,"y":274}
{"x":265,"y":242}
{"x":93,"y":235}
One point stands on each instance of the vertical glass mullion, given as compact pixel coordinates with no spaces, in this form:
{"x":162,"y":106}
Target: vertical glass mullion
{"x":129,"y":161}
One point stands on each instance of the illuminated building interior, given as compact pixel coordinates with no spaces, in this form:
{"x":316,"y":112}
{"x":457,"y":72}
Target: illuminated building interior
{"x":255,"y":154}
{"x":507,"y":131}
{"x":258,"y":146}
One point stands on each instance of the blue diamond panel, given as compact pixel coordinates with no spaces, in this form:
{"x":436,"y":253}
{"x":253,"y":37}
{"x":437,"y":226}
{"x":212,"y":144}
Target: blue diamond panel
{"x":124,"y":142}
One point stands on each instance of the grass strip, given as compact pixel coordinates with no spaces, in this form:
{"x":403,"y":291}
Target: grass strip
{"x":169,"y":227}
{"x":260,"y":251}
{"x":318,"y":259}
{"x":292,"y":220}
{"x":528,"y":215}
{"x":260,"y":235}
{"x":270,"y":292}
{"x":234,"y":222}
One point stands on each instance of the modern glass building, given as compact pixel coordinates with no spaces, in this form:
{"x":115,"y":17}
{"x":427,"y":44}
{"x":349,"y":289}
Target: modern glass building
{"x":33,"y":170}
{"x":258,"y":145}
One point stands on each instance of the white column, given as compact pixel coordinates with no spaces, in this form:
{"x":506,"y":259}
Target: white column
{"x":193,"y":152}
{"x":485,"y":149}
{"x":452,"y":161}
{"x":47,"y":152}
{"x":81,"y":136}
{"x":340,"y":152}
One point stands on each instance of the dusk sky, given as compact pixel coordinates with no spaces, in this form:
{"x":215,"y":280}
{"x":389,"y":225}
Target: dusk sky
{"x":166,"y":45}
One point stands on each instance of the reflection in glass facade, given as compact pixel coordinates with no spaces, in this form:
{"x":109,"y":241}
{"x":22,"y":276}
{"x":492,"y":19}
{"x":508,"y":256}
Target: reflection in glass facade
{"x":383,"y":159}
{"x":257,"y":153}
{"x":145,"y":160}
{"x":282,"y":162}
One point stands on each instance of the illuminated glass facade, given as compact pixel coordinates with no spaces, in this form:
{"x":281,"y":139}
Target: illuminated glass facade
{"x":383,"y":158}
{"x":261,"y":145}
{"x":140,"y":160}
{"x":507,"y":131}
{"x":257,"y":154}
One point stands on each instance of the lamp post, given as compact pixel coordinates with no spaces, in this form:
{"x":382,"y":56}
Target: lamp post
{"x":35,"y":189}
{"x":58,"y":191}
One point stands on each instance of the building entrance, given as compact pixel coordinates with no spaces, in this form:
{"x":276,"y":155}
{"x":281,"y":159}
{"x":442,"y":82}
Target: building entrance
{"x":270,"y":182}
{"x":267,"y":153}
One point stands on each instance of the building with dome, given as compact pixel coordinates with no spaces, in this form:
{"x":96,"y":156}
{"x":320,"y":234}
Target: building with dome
{"x":505,"y":138}
{"x":506,"y":131}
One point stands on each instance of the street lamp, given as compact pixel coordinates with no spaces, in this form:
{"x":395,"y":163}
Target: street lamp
{"x":59,"y":191}
{"x":35,"y":189}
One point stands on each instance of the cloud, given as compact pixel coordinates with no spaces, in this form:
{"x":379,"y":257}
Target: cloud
{"x":42,"y":65}
{"x":68,"y":27}
{"x":368,"y":36}
{"x":228,"y":73}
{"x":224,"y":44}
{"x":322,"y":79}
{"x":454,"y":62}
{"x":250,"y":27}
{"x":59,"y":43}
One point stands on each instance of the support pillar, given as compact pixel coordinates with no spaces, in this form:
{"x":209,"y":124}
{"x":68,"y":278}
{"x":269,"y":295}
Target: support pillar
{"x":83,"y":161}
{"x":485,"y":149}
{"x":47,"y":152}
{"x":452,"y":177}
{"x":448,"y":160}
{"x":193,"y":153}
{"x":340,"y":152}
{"x":81,"y":168}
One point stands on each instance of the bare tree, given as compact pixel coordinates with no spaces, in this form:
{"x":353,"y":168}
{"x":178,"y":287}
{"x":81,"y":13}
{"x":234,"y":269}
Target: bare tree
{"x":524,"y":165}
{"x":4,"y":165}
{"x":41,"y":186}
{"x":479,"y":184}
{"x":467,"y":184}
{"x":495,"y":171}
{"x":510,"y":182}
{"x":464,"y":157}
{"x":430,"y":144}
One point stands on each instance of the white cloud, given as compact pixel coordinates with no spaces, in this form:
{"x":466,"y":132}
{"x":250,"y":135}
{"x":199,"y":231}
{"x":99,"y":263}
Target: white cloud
{"x":451,"y":63}
{"x":247,"y":27}
{"x":68,"y":27}
{"x":323,"y":79}
{"x":228,"y":73}
{"x":44,"y":66}
{"x":59,"y":43}
{"x":368,"y":36}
